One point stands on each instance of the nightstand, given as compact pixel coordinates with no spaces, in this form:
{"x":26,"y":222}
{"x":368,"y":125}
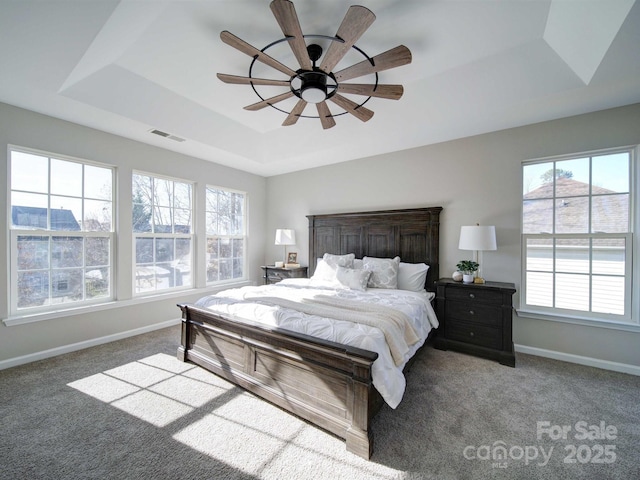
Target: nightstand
{"x":274,"y":274}
{"x":476,"y":319}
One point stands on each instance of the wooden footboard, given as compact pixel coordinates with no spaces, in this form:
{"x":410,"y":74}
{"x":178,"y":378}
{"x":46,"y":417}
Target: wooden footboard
{"x":326,"y":383}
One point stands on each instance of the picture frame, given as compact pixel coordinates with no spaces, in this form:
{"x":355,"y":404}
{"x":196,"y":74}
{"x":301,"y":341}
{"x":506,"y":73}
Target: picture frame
{"x":292,"y":257}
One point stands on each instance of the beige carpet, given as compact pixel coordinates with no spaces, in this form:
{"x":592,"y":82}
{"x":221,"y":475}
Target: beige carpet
{"x":130,"y":410}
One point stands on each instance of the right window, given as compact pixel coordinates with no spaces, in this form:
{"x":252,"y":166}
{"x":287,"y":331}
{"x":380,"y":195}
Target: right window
{"x":577,"y":235}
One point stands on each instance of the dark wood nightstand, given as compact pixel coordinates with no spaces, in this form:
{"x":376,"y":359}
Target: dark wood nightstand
{"x":274,"y":274}
{"x":476,"y":319}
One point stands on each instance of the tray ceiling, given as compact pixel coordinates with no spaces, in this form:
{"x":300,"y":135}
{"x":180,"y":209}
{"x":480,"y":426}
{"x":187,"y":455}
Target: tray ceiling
{"x":129,"y":67}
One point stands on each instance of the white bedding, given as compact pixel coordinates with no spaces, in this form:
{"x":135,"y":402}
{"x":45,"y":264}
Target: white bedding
{"x":387,"y":377}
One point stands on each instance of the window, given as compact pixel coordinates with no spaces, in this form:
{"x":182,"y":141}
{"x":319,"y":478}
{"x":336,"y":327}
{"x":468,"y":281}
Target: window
{"x":162,"y":229}
{"x":577,"y":235}
{"x":61,"y":231}
{"x":226,"y":235}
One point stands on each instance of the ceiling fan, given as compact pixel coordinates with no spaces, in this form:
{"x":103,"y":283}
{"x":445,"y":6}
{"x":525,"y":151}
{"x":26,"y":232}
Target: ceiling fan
{"x":317,"y":84}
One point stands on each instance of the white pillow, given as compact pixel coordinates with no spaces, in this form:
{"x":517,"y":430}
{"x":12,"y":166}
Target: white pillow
{"x":355,"y":279}
{"x":358,"y":263}
{"x":339,"y":260}
{"x":323,"y":272}
{"x":412,"y":276}
{"x":326,"y":266}
{"x":384,"y":271}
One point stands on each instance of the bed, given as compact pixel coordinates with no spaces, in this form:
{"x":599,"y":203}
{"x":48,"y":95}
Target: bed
{"x":328,"y":383}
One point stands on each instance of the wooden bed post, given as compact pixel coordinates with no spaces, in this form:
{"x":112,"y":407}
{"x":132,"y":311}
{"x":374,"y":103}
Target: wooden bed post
{"x":359,"y":438}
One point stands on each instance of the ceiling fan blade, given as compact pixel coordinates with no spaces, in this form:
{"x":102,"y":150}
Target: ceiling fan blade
{"x":392,"y":92}
{"x":325,"y":115}
{"x":295,"y":113}
{"x":395,"y":57}
{"x":235,"y":79}
{"x":269,"y":101}
{"x":239,"y":44}
{"x":286,"y":16}
{"x":361,"y":113}
{"x":354,"y":24}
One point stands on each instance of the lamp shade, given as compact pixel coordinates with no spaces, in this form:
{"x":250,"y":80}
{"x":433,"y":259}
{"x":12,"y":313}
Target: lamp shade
{"x":285,"y":236}
{"x":478,"y":237}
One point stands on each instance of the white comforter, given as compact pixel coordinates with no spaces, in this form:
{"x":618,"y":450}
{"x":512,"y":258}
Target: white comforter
{"x":387,"y":376}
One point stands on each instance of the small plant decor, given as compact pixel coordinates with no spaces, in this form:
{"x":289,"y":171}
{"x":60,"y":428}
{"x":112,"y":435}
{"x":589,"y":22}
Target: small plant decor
{"x":467,"y":266}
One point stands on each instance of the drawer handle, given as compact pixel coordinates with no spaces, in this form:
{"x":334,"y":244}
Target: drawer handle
{"x":471,"y":295}
{"x":471,"y":334}
{"x":471,"y":312}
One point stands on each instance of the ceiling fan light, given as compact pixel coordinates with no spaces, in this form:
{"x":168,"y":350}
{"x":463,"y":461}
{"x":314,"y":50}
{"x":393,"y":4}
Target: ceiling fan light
{"x":314,"y":87}
{"x":314,"y":93}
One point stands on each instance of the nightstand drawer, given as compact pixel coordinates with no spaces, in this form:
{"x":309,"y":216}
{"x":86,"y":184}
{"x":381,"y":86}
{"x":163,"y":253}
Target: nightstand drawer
{"x":477,"y":313}
{"x":475,"y":334}
{"x":275,"y":277}
{"x":472,"y":294}
{"x":275,"y":274}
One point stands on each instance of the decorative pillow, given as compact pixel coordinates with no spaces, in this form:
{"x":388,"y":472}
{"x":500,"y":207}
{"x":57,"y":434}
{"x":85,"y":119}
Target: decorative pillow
{"x":326,"y":266}
{"x":339,"y":260}
{"x":355,"y":279}
{"x":412,"y":276}
{"x":384,"y":271}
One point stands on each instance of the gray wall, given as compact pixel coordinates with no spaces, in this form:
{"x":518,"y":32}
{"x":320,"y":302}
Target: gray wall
{"x":476,"y":180}
{"x":27,"y":129}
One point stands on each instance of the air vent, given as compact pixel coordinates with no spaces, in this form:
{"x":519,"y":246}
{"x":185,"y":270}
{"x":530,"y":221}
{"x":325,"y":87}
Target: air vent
{"x":167,"y":135}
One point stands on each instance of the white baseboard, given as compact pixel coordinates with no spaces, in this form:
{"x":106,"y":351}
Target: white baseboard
{"x":541,"y":352}
{"x":588,"y":361}
{"x":32,"y":357}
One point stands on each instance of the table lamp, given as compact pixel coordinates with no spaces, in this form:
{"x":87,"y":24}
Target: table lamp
{"x":478,"y":238}
{"x":285,"y":236}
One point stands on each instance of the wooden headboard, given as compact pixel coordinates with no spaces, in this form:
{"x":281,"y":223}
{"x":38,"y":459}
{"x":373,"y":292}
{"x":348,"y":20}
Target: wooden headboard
{"x":412,"y":234}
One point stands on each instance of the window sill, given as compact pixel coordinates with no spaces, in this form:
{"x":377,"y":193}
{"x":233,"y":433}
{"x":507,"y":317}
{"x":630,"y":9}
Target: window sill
{"x":83,"y":310}
{"x":608,"y":324}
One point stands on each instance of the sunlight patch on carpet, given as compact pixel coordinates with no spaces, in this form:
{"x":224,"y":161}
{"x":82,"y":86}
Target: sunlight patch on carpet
{"x":231,"y":442}
{"x":224,"y":422}
{"x":155,"y":389}
{"x":103,"y":387}
{"x":139,"y":374}
{"x":258,"y":438}
{"x":152,"y":408}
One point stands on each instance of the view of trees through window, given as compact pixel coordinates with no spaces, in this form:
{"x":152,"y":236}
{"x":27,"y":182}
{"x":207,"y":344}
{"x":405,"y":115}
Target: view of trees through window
{"x":162,"y":225}
{"x":225,"y":220}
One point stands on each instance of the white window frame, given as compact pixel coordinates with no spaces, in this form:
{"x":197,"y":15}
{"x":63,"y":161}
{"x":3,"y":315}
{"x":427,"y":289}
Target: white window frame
{"x":630,"y":319}
{"x":16,"y":232}
{"x":164,"y":235}
{"x":212,"y":236}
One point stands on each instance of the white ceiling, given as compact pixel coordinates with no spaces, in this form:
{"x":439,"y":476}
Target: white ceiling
{"x":127,"y":67}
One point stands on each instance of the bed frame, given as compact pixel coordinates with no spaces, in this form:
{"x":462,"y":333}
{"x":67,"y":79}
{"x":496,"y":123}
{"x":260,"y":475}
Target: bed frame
{"x":326,"y":383}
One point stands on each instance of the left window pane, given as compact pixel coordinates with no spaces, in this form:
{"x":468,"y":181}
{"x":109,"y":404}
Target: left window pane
{"x":29,"y":172}
{"x":61,"y":231}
